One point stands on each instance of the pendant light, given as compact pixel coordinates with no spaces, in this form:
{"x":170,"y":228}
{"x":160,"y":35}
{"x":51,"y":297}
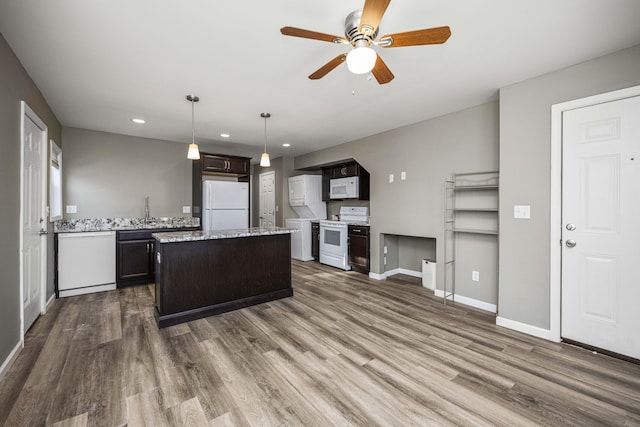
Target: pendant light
{"x":194,"y":152}
{"x":264,"y":160}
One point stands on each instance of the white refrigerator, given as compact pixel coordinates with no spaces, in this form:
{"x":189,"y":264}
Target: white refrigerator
{"x":225,"y":205}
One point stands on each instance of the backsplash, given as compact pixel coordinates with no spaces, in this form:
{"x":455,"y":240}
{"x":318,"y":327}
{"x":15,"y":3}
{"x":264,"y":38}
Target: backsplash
{"x":106,"y":224}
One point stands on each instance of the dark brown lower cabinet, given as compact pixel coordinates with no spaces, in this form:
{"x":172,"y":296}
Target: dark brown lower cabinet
{"x":315,"y":240}
{"x":135,"y":261}
{"x":134,"y":256}
{"x":359,"y":248}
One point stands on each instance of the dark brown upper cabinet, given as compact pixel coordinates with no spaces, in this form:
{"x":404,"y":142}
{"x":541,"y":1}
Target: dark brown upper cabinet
{"x":344,"y":170}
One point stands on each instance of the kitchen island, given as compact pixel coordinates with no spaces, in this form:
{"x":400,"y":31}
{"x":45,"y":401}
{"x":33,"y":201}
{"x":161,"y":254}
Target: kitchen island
{"x":200,"y":274}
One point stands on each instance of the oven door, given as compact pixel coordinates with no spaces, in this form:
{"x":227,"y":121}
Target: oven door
{"x":333,"y":245}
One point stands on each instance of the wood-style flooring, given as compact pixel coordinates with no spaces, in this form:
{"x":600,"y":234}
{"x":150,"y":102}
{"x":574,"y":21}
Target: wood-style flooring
{"x":344,"y":350}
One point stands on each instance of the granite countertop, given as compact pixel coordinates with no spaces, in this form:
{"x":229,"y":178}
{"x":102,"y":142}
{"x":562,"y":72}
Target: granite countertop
{"x":114,"y":224}
{"x":191,"y":236}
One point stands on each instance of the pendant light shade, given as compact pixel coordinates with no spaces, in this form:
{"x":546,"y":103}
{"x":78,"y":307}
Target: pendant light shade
{"x":194,"y":152}
{"x":265,"y":162}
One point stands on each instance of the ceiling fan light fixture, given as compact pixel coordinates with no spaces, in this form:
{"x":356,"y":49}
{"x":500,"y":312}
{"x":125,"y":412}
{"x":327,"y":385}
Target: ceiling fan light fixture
{"x":361,"y":59}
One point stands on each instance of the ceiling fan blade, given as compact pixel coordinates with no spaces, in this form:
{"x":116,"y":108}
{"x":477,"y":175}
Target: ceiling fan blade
{"x":371,"y":15}
{"x":307,"y":34}
{"x":415,"y":38}
{"x":381,"y":72}
{"x":324,"y":70}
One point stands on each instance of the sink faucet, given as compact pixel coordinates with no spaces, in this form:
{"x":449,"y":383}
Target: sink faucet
{"x":146,"y":209}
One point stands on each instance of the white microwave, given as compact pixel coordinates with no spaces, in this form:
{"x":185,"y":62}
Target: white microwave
{"x":344,"y":188}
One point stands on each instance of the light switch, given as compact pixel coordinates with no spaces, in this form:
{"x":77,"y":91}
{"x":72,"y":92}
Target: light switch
{"x":186,"y":209}
{"x":522,"y":212}
{"x":72,"y":209}
{"x":390,"y":178}
{"x":403,"y":175}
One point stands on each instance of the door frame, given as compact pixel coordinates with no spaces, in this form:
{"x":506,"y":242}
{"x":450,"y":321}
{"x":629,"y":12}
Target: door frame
{"x":555,"y":241}
{"x":260,"y":175}
{"x":26,"y":111}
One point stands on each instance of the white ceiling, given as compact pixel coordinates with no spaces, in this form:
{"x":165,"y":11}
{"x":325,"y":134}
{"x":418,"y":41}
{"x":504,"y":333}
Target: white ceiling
{"x":101,"y":62}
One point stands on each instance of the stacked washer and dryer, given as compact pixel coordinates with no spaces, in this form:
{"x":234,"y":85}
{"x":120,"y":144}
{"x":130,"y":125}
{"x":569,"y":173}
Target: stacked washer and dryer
{"x":305,"y":198}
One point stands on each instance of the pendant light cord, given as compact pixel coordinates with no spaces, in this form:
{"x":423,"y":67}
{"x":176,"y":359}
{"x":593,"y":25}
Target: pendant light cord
{"x":193,"y":123}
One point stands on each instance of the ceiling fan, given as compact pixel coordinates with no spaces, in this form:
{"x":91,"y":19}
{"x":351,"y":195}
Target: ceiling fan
{"x":361,"y":30}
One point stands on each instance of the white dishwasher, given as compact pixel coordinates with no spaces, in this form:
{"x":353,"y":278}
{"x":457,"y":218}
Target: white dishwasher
{"x":86,"y":262}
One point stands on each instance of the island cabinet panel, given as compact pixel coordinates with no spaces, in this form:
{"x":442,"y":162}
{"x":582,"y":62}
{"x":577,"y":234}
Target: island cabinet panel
{"x":196,"y":279}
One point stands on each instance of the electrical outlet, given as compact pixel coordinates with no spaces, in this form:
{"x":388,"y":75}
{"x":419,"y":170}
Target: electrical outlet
{"x":475,"y":276}
{"x":522,"y":212}
{"x":385,"y":249}
{"x":71,"y":209}
{"x":403,"y":175}
{"x":186,"y":209}
{"x":384,"y":262}
{"x":390,"y":178}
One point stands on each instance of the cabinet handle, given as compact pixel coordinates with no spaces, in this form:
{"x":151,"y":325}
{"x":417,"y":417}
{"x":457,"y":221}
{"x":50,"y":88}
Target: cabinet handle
{"x":357,"y":230}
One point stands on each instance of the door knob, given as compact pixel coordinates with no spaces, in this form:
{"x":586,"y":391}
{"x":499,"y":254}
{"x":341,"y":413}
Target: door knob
{"x":571,"y":227}
{"x":571,"y":243}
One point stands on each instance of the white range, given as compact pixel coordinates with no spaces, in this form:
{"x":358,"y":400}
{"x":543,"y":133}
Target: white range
{"x":334,"y":249}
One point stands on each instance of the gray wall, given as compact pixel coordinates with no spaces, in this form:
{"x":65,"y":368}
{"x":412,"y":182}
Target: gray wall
{"x":283,"y":167}
{"x":525,"y":152}
{"x":407,"y":252}
{"x":15,"y":86}
{"x":429,"y":152}
{"x":108,"y":175}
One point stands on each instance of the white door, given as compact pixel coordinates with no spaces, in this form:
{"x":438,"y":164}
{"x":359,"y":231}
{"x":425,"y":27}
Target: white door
{"x":267,"y":199}
{"x":33,"y":218}
{"x":601,"y":226}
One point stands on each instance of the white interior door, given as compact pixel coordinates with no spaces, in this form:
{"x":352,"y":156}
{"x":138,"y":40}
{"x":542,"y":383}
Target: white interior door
{"x":601,"y":226}
{"x":267,"y":199}
{"x":33,"y":216}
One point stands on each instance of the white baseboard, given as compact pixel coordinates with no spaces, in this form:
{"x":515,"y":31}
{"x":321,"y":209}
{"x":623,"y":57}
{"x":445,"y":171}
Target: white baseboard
{"x":476,"y":303}
{"x":469,"y":301}
{"x":10,"y":359}
{"x":410,"y":272}
{"x":393,"y":272}
{"x":52,"y":298}
{"x":87,"y":290}
{"x":524,"y":328}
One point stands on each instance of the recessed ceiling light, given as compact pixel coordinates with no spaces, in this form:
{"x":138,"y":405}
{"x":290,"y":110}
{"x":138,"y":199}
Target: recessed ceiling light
{"x":286,"y":144}
{"x":225,"y":135}
{"x":139,"y":121}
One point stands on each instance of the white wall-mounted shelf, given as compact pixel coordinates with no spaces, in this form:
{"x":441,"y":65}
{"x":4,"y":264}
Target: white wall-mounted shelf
{"x":471,"y":206}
